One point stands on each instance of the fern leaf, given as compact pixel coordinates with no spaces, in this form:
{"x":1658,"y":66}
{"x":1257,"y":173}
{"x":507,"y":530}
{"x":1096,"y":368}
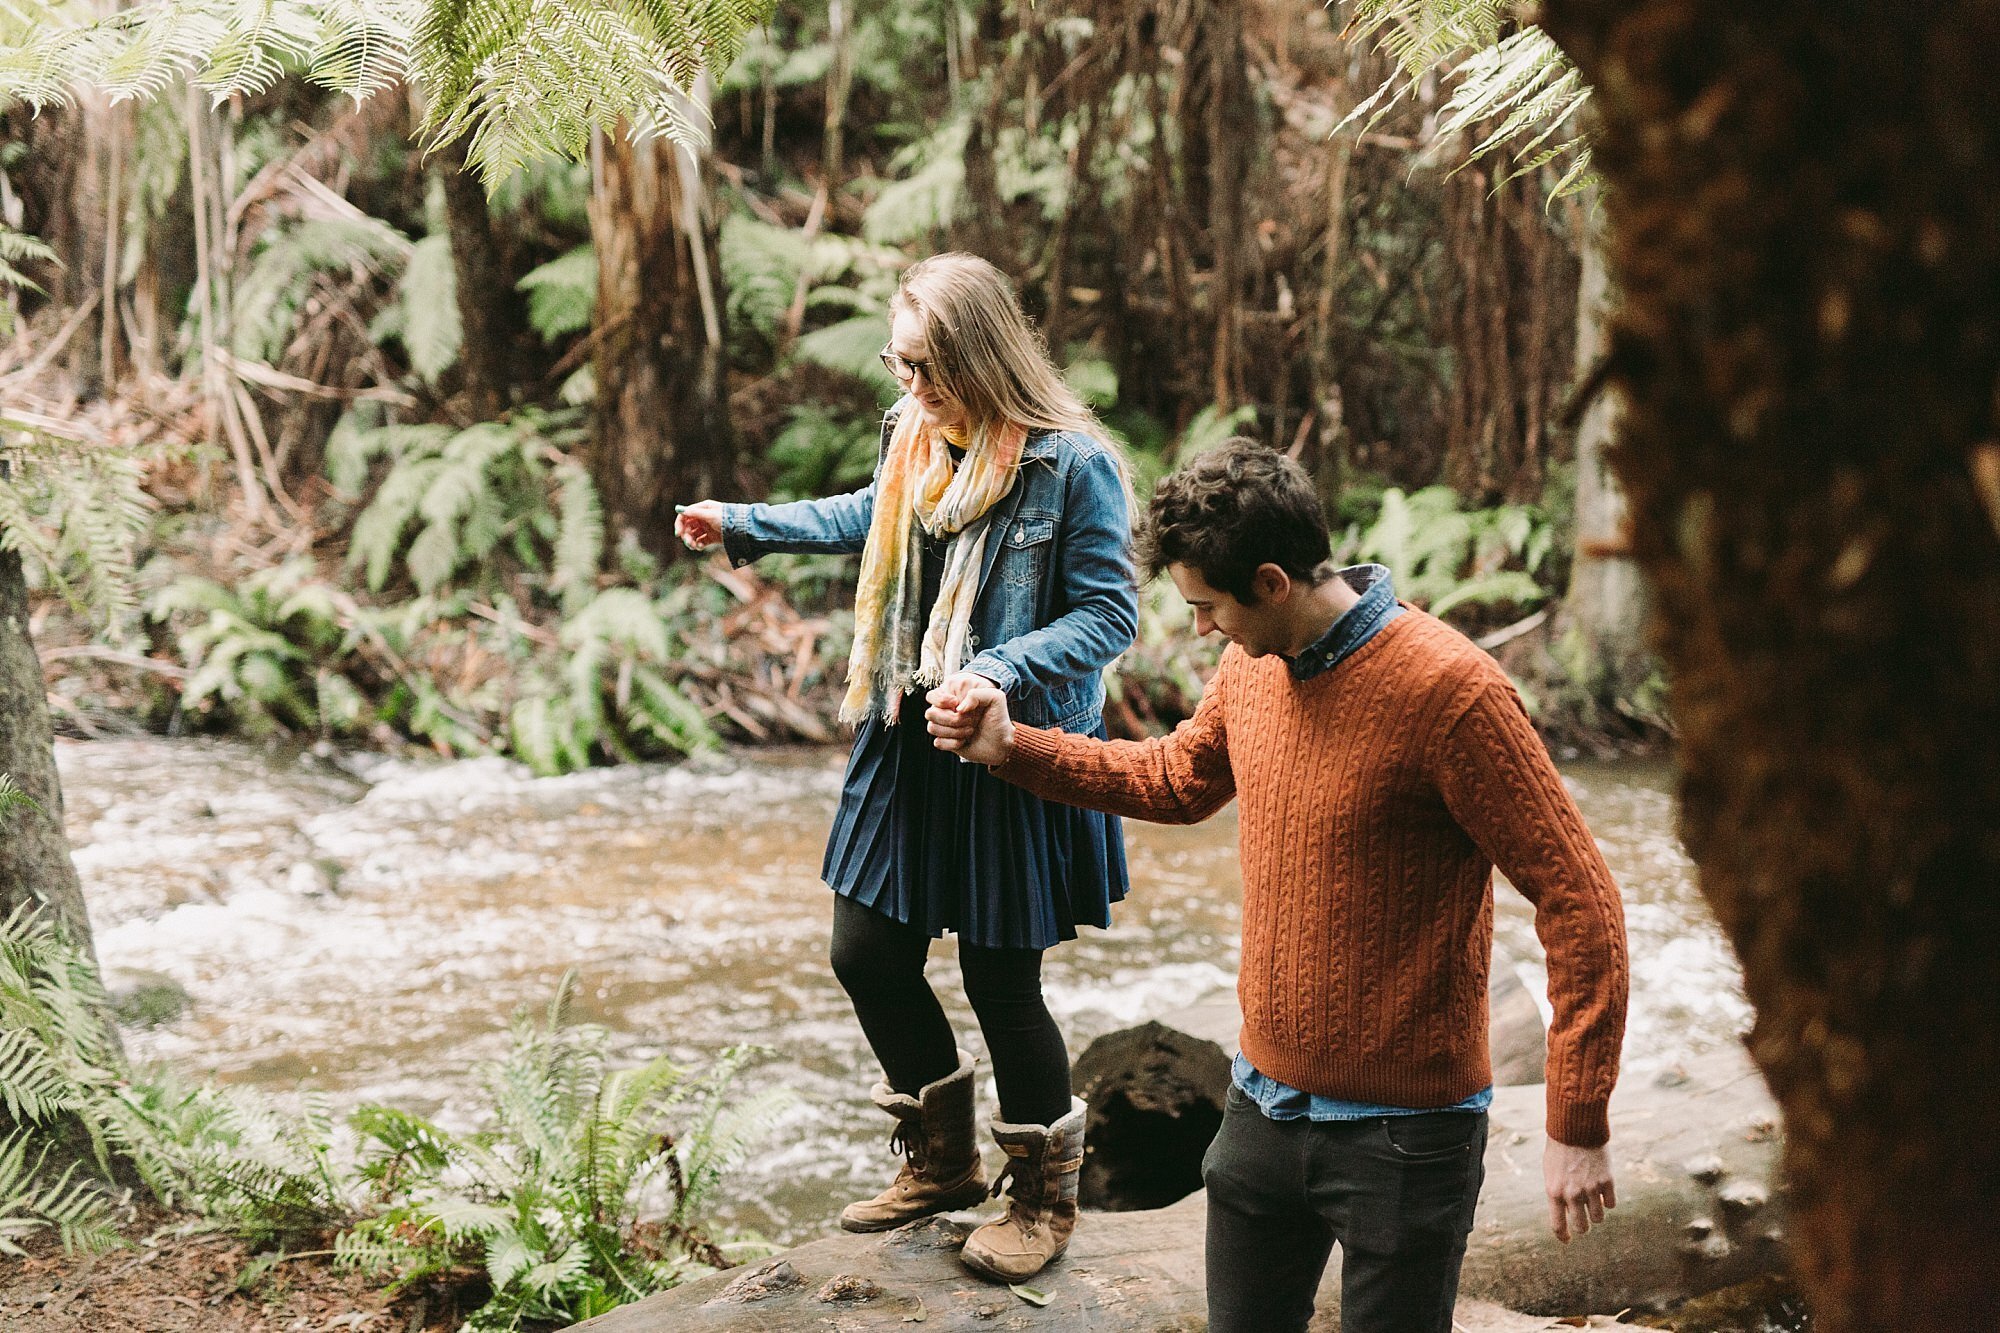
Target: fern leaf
{"x":431,"y":328}
{"x":562,"y":294}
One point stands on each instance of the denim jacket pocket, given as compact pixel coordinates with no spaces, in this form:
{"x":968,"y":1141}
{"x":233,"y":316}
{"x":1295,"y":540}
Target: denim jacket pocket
{"x":1026,"y":546}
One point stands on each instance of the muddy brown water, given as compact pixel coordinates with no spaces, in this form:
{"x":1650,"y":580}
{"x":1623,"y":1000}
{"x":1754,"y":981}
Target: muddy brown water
{"x":365,"y":926}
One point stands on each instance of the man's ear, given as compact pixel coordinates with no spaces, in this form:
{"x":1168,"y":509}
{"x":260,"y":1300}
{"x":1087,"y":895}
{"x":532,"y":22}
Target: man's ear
{"x":1271,"y":583}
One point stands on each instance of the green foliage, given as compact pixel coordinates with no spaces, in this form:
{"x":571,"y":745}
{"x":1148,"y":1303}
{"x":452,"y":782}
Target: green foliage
{"x":273,"y":293}
{"x":465,"y":493}
{"x":75,"y":511}
{"x":852,"y":347}
{"x":522,"y":78}
{"x":822,"y":452}
{"x":429,"y":293}
{"x":56,"y":1063}
{"x":562,"y":294}
{"x":1522,"y":79}
{"x":580,"y":1198}
{"x":12,"y":797}
{"x":18,"y":248}
{"x":1444,"y":557}
{"x":931,"y":193}
{"x":266,"y":649}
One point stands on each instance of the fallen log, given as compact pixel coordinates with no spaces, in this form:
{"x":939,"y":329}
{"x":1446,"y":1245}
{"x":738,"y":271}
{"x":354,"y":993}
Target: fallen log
{"x":1697,"y":1212}
{"x":1131,"y":1272}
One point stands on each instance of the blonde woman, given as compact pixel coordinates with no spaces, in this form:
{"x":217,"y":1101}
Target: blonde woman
{"x":994,"y":539}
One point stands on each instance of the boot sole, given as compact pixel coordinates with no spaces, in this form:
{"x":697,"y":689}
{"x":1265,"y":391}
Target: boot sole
{"x":948,"y":1205}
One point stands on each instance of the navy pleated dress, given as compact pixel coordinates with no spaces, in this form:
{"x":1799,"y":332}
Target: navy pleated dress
{"x":943,"y":845}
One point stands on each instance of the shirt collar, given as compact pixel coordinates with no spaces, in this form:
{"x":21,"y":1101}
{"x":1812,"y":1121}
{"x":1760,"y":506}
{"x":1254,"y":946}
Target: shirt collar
{"x":1356,"y":626}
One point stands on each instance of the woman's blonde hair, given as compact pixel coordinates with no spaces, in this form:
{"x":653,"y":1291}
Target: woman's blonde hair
{"x":986,"y":353}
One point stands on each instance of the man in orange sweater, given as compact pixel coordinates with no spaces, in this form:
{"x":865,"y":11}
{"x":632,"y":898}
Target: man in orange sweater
{"x":1383,"y":766}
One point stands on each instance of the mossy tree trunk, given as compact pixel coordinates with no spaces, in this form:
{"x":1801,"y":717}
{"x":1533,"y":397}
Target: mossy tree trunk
{"x":663,"y":427}
{"x":35,"y":866}
{"x":1805,"y":219}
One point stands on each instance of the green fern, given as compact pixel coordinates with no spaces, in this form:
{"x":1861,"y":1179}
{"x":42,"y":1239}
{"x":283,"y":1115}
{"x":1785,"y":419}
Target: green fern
{"x":552,"y":1201}
{"x":930,"y":197}
{"x":273,"y":293}
{"x":12,"y":797}
{"x":429,"y":294}
{"x":562,"y":294}
{"x":523,"y":78}
{"x":1522,"y":79}
{"x":18,"y":248}
{"x":851,"y":347}
{"x":72,"y":1204}
{"x":1444,"y":557}
{"x":76,"y":510}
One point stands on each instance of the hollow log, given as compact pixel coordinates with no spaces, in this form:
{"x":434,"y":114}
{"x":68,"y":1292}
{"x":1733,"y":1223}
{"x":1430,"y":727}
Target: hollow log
{"x":1698,"y":1211}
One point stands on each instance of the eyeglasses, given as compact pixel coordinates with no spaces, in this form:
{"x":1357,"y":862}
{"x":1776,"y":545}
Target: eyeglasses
{"x":906,"y":370}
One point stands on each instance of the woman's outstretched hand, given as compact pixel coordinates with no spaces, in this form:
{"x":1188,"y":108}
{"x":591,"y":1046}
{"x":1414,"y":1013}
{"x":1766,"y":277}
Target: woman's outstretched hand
{"x":968,"y":717}
{"x":699,"y":525}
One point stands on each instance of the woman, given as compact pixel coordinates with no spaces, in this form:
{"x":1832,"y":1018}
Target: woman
{"x":994,"y":539}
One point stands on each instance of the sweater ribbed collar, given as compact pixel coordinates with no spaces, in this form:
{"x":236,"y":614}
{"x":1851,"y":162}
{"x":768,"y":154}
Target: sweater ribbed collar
{"x":1356,"y":626}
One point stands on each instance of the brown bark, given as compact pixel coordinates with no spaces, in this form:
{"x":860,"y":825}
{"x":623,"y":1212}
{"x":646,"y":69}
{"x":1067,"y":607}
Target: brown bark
{"x":1805,"y":211}
{"x":63,"y":181}
{"x":35,"y":866}
{"x":490,"y":310}
{"x":663,"y":427}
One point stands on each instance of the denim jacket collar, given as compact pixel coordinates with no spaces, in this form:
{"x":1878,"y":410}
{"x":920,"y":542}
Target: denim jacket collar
{"x":1356,"y":626}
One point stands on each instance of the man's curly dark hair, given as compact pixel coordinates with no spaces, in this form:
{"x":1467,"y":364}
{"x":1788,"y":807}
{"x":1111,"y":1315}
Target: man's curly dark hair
{"x":1236,"y":507}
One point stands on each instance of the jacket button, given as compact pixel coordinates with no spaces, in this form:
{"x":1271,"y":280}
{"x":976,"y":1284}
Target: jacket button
{"x":972,"y":640}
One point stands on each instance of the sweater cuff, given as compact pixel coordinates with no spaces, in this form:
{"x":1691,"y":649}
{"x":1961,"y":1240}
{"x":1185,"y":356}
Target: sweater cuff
{"x":1579,"y":1124}
{"x":1033,"y":758}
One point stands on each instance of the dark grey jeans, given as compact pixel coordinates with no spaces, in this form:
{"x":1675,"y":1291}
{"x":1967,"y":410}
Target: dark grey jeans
{"x":1396,"y":1193}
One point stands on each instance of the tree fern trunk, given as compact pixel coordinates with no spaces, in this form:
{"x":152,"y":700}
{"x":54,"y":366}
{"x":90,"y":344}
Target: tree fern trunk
{"x":489,"y":309}
{"x":1805,"y":219}
{"x":662,"y":416}
{"x":35,"y":866}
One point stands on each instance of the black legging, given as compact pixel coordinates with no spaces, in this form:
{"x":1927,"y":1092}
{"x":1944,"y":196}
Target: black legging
{"x":880,"y":963}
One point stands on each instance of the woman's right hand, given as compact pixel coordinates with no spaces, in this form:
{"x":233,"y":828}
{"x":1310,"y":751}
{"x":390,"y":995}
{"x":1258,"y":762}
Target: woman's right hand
{"x":699,"y":525}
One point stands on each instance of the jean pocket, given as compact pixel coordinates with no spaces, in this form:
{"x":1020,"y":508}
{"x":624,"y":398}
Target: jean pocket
{"x":1236,"y":1099}
{"x":1434,"y":1136}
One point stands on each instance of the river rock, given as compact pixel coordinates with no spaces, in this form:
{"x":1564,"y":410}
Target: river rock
{"x":1155,"y":1091}
{"x":144,"y":999}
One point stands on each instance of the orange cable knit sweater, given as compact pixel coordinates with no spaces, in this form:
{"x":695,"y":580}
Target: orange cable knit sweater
{"x":1376,"y":799}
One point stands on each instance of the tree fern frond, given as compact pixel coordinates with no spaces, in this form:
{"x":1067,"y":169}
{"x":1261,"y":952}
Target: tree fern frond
{"x":562,"y":294}
{"x":431,"y":328}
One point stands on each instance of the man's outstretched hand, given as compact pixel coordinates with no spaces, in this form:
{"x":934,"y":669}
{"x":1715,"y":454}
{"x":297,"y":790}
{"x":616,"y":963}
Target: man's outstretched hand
{"x":1578,"y":1182}
{"x":968,"y":716}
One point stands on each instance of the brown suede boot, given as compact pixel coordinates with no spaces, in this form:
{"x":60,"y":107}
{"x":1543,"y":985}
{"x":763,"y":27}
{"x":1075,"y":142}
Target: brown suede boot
{"x":941,"y":1167}
{"x":1040,"y":1178}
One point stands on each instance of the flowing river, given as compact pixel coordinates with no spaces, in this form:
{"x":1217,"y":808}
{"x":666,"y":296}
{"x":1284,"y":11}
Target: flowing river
{"x":365,"y":926}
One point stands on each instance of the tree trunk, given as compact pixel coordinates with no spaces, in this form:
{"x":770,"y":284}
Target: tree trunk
{"x":663,"y":428}
{"x":64,"y":179}
{"x":1696,"y":1213}
{"x":490,"y":310}
{"x":35,"y":866}
{"x":1805,"y":220}
{"x":1600,"y":631}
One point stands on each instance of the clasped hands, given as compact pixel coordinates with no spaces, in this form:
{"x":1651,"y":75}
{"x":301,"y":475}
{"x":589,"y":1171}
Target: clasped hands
{"x":968,"y":717}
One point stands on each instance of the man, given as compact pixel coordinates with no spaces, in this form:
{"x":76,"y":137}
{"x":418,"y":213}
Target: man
{"x":1383,"y":766}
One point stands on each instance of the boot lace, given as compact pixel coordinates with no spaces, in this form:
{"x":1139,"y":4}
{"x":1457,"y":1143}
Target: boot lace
{"x":1021,"y":1209}
{"x":908,"y":1141}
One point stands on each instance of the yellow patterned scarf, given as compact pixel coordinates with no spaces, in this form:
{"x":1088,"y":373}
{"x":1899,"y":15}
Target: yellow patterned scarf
{"x":896,"y":646}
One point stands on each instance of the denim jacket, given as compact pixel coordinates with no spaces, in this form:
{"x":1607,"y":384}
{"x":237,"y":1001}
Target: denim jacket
{"x":1057,"y":600}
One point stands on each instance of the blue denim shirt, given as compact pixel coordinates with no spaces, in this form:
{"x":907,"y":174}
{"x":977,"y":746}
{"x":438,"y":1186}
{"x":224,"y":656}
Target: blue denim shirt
{"x":1356,"y":626}
{"x":1057,"y":599}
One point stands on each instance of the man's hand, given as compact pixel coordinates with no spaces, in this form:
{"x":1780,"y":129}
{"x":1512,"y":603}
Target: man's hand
{"x":968,"y":716}
{"x":1579,"y":1186}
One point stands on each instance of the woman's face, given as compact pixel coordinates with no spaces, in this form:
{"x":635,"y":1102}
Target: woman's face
{"x":906,"y":339}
